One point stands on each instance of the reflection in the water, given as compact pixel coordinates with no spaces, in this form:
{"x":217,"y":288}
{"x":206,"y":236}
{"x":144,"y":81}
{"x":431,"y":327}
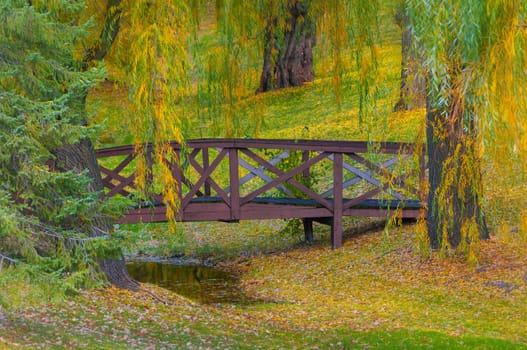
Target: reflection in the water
{"x":200,"y":283}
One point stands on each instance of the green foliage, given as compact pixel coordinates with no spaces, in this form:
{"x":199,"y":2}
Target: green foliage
{"x":42,"y":92}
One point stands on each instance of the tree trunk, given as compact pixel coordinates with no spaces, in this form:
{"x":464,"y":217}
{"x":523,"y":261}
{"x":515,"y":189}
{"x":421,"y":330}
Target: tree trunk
{"x":78,"y":157}
{"x":455,"y":182}
{"x":412,"y":93}
{"x":266,"y":79}
{"x":293,"y":64}
{"x":108,"y":34}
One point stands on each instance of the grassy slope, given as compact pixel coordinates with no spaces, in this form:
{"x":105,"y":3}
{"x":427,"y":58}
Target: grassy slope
{"x":375,"y":292}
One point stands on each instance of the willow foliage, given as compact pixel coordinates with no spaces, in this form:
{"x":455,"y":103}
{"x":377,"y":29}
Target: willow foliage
{"x":230,"y":74}
{"x":158,"y":47}
{"x":474,"y":60}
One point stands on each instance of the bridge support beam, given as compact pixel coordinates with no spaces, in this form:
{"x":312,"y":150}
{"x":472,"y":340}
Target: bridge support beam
{"x":308,"y":230}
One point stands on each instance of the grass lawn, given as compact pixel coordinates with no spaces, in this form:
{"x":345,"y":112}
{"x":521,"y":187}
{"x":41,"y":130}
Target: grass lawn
{"x":375,"y":292}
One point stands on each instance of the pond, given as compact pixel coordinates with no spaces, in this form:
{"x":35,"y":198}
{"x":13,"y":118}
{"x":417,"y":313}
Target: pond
{"x":206,"y":285}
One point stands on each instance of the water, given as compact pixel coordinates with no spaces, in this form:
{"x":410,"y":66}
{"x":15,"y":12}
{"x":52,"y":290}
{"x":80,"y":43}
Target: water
{"x":203,"y":284}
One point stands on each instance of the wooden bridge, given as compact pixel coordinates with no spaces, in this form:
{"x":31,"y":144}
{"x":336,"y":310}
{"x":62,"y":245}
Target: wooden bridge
{"x":243,"y":179}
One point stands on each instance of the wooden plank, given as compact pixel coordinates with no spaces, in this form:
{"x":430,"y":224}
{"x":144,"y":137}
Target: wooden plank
{"x":306,"y":174}
{"x":365,"y":176}
{"x":177,"y":174}
{"x":309,"y":145}
{"x":364,"y":196}
{"x":253,"y":211}
{"x":144,"y":215}
{"x":381,"y":170}
{"x":220,"y":211}
{"x":348,"y":183}
{"x":370,"y":165}
{"x":110,"y":186}
{"x":118,"y":168}
{"x":114,"y":151}
{"x":382,"y":213}
{"x":205,"y":157}
{"x":149,"y":166}
{"x":257,"y":211}
{"x":118,"y":188}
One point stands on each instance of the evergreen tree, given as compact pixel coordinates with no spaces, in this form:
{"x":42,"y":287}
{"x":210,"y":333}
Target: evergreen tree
{"x":52,"y":216}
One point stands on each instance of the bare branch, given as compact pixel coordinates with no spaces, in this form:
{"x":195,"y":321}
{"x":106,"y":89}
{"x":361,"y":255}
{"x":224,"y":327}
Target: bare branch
{"x":6,"y":258}
{"x":52,"y":233}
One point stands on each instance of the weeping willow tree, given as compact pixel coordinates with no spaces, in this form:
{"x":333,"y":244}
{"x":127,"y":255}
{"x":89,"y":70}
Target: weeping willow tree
{"x":474,"y":61}
{"x":268,"y":44}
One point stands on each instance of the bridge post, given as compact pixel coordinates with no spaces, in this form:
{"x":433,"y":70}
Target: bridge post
{"x":235,"y":184}
{"x":205,"y":155}
{"x":177,"y":174}
{"x":308,"y":222}
{"x":336,"y":227}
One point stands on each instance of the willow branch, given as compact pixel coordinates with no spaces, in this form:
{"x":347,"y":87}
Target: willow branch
{"x":108,"y":34}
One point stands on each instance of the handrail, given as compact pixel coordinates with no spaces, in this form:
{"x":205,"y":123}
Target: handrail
{"x":286,"y":144}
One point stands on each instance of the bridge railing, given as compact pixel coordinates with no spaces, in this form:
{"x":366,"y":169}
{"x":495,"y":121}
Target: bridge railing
{"x":238,"y":179}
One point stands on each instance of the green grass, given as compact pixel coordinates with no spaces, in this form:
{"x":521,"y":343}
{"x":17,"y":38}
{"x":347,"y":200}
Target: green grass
{"x":375,"y":292}
{"x":181,"y":337}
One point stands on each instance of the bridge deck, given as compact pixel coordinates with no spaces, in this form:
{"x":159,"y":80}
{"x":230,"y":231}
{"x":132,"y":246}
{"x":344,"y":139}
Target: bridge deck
{"x":231,"y":180}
